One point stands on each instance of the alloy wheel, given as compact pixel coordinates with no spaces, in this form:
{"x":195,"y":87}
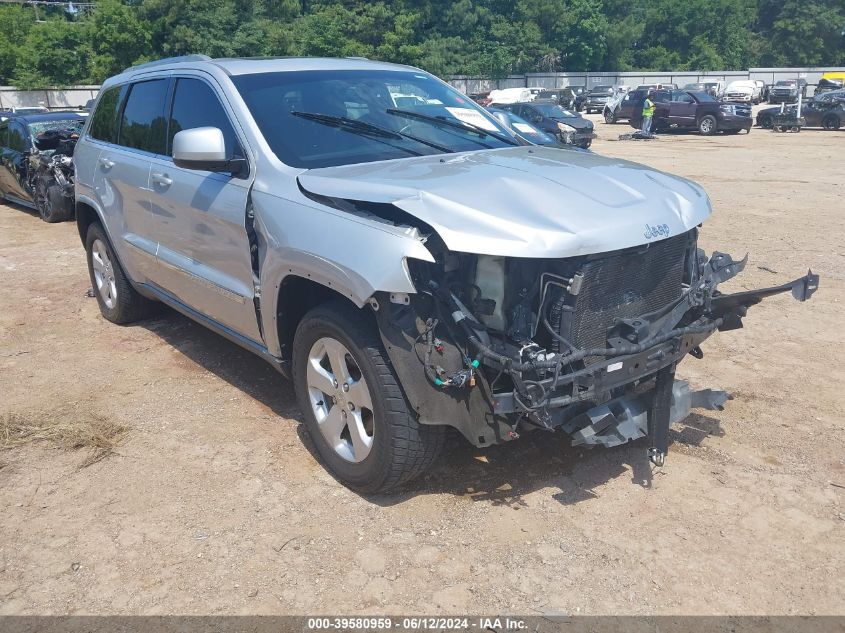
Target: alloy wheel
{"x":103,"y":274}
{"x":340,"y":399}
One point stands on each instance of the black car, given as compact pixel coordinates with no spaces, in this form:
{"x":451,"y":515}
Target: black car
{"x":522,"y":129}
{"x":826,"y":111}
{"x":571,"y":128}
{"x":787,"y":90}
{"x":596,"y":98}
{"x":565,"y":97}
{"x":682,"y":109}
{"x":624,"y":110}
{"x":19,"y":155}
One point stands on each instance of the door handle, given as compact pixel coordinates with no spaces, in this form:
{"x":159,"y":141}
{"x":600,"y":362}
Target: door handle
{"x":106,"y":163}
{"x":162,"y":180}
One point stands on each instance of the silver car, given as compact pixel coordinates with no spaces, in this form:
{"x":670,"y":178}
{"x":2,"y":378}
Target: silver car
{"x":407,"y":261}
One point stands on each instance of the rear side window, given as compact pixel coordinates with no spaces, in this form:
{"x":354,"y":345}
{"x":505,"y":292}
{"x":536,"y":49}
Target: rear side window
{"x":104,"y":120}
{"x":195,"y":104}
{"x":143,"y":124}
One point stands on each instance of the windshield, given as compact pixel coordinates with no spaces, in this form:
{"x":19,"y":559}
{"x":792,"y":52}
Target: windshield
{"x":786,"y":83}
{"x":62,"y":124}
{"x":601,"y":89}
{"x":552,"y":111}
{"x":365,"y":116}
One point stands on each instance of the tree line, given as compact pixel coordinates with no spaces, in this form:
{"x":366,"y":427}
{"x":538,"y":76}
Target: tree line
{"x":491,"y":38}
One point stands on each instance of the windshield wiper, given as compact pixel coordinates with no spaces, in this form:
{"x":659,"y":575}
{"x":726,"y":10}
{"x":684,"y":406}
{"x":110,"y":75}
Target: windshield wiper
{"x":368,"y":129}
{"x":458,"y":125}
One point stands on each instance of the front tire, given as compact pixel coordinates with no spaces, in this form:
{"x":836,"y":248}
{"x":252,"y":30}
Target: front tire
{"x":765,"y":122}
{"x":831,"y":122}
{"x":707,"y":125}
{"x":51,"y":204}
{"x":119,"y":302}
{"x":355,"y":412}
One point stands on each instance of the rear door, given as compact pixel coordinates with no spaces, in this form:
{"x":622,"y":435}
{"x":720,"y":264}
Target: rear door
{"x":199,"y":217}
{"x":121,"y":176}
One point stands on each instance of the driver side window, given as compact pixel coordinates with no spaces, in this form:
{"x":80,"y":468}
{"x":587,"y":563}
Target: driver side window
{"x":195,"y":104}
{"x":17,"y":138}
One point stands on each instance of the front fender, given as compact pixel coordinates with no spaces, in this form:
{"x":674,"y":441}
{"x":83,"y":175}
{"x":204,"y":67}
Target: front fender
{"x":352,"y":255}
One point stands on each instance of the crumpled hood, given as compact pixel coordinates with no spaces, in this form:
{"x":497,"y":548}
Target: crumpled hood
{"x":525,"y":201}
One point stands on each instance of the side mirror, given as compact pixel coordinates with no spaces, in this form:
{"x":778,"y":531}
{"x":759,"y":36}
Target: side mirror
{"x":204,"y":148}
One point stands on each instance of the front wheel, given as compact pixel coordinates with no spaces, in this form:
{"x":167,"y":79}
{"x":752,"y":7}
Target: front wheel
{"x":765,"y":122}
{"x":831,"y":122}
{"x":355,"y":412}
{"x":51,"y":204}
{"x":707,"y":125}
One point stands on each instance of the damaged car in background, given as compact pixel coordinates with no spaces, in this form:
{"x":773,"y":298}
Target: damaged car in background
{"x":410,"y":268}
{"x":36,"y":162}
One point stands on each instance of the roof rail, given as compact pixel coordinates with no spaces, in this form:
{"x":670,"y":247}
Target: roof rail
{"x":170,"y":60}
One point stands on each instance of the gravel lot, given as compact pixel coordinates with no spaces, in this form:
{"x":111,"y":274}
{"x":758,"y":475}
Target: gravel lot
{"x":214,"y":503}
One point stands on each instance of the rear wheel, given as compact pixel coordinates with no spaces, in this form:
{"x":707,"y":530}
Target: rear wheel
{"x":119,"y":302}
{"x":609,"y":117}
{"x":765,"y":121}
{"x":355,"y":412}
{"x":707,"y":125}
{"x":831,"y":122}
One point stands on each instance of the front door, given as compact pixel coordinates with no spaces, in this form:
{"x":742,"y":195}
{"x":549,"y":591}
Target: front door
{"x":14,"y":161}
{"x":682,"y":109}
{"x":199,"y":218}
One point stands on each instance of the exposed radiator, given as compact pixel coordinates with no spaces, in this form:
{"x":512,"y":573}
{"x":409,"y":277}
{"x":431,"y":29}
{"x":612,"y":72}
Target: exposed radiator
{"x":626,"y":285}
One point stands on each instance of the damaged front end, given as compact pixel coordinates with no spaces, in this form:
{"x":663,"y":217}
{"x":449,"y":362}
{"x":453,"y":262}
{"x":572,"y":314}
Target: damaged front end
{"x":495,"y":346}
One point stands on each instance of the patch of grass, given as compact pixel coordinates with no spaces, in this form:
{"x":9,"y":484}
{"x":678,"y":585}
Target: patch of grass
{"x":67,"y":431}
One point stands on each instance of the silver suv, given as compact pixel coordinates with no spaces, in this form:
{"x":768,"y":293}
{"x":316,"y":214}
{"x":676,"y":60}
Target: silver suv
{"x":409,"y":263}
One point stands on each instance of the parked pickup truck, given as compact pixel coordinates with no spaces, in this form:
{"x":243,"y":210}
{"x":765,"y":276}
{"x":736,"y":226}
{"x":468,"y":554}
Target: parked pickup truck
{"x":410,"y":268}
{"x":681,"y":109}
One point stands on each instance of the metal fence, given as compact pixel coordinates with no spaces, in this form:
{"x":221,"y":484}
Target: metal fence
{"x":470,"y":85}
{"x":76,"y":96}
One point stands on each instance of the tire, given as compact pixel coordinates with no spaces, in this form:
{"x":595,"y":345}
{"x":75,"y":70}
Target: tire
{"x":119,"y":302}
{"x":609,"y":117}
{"x":765,"y":122}
{"x":831,"y":122}
{"x":51,"y":204}
{"x":707,"y":125}
{"x":400,"y":448}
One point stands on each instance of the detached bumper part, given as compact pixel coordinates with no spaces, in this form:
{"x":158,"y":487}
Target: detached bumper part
{"x":625,"y":418}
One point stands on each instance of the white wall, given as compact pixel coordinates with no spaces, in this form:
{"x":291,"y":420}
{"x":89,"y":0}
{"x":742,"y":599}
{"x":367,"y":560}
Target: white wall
{"x":54,"y":99}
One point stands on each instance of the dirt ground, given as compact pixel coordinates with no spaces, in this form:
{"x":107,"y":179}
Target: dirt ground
{"x":214,"y":502}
